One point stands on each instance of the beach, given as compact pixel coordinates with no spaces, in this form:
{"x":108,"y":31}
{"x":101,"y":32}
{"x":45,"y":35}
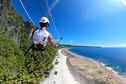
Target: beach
{"x":75,"y":69}
{"x":63,"y":75}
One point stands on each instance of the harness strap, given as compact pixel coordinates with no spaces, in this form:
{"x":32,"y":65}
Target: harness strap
{"x":39,"y":47}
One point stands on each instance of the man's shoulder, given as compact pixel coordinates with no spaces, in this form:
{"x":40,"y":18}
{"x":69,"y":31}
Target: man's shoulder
{"x":35,"y":30}
{"x":47,"y":32}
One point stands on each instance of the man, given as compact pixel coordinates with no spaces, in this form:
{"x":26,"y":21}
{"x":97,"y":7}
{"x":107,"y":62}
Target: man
{"x":41,"y":36}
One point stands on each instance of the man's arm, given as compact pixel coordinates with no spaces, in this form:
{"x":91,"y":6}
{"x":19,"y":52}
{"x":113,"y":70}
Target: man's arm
{"x":52,"y":42}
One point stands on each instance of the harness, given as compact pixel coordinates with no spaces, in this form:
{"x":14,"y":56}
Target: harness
{"x":40,"y":39}
{"x":38,"y":47}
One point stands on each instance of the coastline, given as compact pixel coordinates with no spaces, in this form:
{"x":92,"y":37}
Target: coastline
{"x":75,"y":69}
{"x":92,"y":73}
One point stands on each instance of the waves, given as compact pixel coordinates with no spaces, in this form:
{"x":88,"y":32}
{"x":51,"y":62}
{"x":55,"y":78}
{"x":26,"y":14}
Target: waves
{"x":114,"y":59}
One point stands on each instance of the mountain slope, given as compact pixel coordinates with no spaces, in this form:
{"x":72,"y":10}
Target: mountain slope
{"x":15,"y":68}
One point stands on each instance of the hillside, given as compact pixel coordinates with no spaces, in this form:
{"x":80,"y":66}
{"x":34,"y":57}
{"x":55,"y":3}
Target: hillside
{"x":15,"y":68}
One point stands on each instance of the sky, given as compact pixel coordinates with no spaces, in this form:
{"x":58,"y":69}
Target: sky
{"x":81,"y":22}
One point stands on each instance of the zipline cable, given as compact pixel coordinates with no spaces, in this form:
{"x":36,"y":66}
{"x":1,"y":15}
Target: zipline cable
{"x":49,"y":12}
{"x":44,"y":9}
{"x":28,"y":17}
{"x":26,"y":11}
{"x":50,"y":17}
{"x":44,"y":14}
{"x":40,"y":8}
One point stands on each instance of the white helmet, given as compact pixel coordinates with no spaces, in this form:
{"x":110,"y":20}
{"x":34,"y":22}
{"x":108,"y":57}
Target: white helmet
{"x":44,"y":20}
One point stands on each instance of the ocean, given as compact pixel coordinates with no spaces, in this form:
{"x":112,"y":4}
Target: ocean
{"x":114,"y":58}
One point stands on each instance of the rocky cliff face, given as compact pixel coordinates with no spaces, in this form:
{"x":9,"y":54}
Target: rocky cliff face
{"x":12,"y":22}
{"x":15,"y":68}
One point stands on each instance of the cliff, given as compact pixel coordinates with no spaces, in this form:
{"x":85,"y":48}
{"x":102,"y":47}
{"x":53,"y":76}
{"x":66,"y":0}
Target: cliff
{"x":10,"y":21}
{"x":15,"y":68}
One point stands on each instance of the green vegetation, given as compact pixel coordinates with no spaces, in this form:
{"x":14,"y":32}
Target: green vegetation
{"x":12,"y":63}
{"x":15,"y":68}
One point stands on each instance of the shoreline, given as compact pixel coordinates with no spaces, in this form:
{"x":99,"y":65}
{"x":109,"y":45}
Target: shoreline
{"x":109,"y":67}
{"x":113,"y":76}
{"x":75,"y":69}
{"x":101,"y":63}
{"x":117,"y":73}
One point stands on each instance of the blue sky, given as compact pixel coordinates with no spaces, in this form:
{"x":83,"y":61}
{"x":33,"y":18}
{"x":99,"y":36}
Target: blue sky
{"x":82,"y":22}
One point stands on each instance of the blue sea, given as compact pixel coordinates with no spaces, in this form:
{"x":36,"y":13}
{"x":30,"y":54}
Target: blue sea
{"x":111,"y":57}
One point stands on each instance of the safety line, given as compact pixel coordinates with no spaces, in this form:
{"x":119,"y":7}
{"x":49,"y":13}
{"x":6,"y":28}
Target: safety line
{"x":44,"y":15}
{"x":50,"y":17}
{"x":40,"y":8}
{"x":26,"y":11}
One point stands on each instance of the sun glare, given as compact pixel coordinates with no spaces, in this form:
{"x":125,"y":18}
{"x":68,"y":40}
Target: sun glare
{"x":124,"y":2}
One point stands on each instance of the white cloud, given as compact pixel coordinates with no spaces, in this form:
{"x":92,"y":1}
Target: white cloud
{"x":71,"y":41}
{"x":119,"y":45}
